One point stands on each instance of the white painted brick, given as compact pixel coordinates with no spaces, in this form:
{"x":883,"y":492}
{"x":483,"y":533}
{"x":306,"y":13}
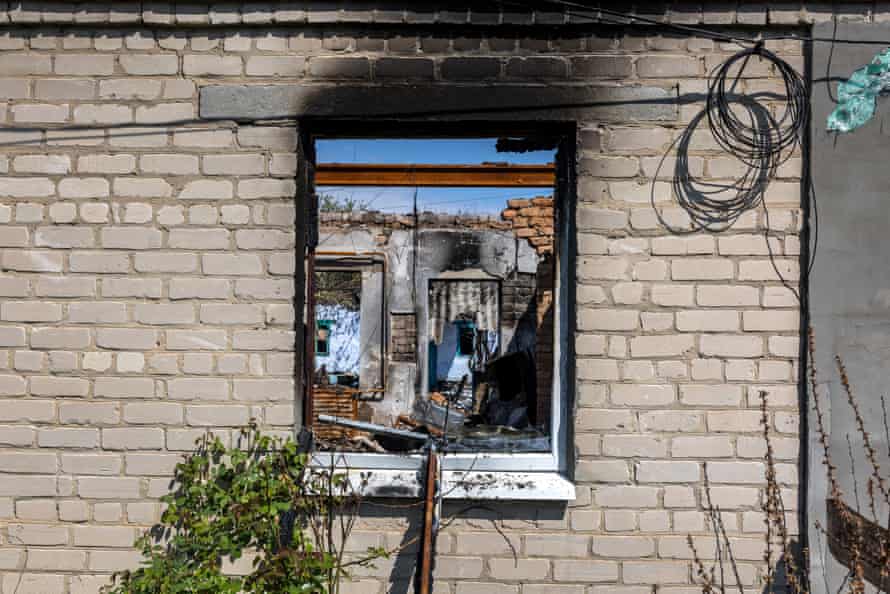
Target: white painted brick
{"x":127,"y":187}
{"x":84,"y":64}
{"x":147,"y":64}
{"x":207,"y":190}
{"x":133,"y":438}
{"x":169,"y":164}
{"x":728,"y":345}
{"x":48,"y":164}
{"x":141,"y":89}
{"x":130,"y":238}
{"x":235,"y":164}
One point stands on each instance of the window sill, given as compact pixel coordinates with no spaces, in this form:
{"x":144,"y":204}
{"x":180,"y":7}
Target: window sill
{"x":476,"y":485}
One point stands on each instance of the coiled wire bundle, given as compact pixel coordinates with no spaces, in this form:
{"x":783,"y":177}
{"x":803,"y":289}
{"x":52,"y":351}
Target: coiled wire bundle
{"x":748,"y":131}
{"x":756,"y":134}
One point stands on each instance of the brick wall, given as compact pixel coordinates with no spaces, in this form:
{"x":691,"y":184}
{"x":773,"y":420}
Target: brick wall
{"x":146,"y":278}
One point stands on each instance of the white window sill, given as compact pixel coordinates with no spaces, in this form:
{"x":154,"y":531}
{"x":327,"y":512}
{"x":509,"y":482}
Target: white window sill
{"x":476,"y":485}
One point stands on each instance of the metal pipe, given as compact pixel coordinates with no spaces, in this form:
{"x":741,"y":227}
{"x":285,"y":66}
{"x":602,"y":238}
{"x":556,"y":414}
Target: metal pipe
{"x":372,"y":428}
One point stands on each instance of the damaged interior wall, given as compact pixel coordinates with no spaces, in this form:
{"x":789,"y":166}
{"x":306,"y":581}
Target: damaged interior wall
{"x":458,"y":290}
{"x":452,"y":282}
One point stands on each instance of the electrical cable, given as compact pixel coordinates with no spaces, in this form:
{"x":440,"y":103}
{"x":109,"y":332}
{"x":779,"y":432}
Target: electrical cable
{"x":624,"y":18}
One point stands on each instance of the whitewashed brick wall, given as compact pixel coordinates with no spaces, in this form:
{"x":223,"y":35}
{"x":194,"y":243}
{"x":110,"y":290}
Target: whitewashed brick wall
{"x":146,"y":278}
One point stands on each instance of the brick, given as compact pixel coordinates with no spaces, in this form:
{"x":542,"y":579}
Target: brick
{"x":668,"y":67}
{"x":99,"y":262}
{"x":126,"y":338}
{"x":94,"y":213}
{"x":661,"y":346}
{"x":404,"y":68}
{"x":771,"y":321}
{"x":149,"y":64}
{"x":27,"y":64}
{"x":104,"y":536}
{"x":124,"y":387}
{"x":28,"y":462}
{"x":728,"y":345}
{"x":164,"y":313}
{"x":37,"y":534}
{"x":60,"y":338}
{"x":660,"y":572}
{"x":169,"y":164}
{"x":133,"y":438}
{"x":13,"y":286}
{"x":701,"y":269}
{"x":198,"y":389}
{"x":68,"y":437}
{"x":623,"y":546}
{"x":26,"y":187}
{"x":16,"y":435}
{"x":31,"y":261}
{"x":701,"y":447}
{"x":232,"y":264}
{"x":263,"y":389}
{"x":275,"y":65}
{"x":48,"y":164}
{"x":137,"y":136}
{"x":642,"y":395}
{"x":107,"y":114}
{"x":18,"y":88}
{"x":65,"y":286}
{"x":707,"y":321}
{"x":630,"y":446}
{"x":64,"y":237}
{"x":42,"y":113}
{"x":650,"y":471}
{"x":264,"y":288}
{"x":88,"y":413}
{"x":30,"y":311}
{"x":199,"y":288}
{"x":243,"y":164}
{"x":585,"y":571}
{"x":150,"y":413}
{"x":142,"y":188}
{"x":108,"y":487}
{"x":14,"y":237}
{"x":59,"y":386}
{"x":602,"y":471}
{"x":340,"y":68}
{"x":251,"y":189}
{"x":268,"y":137}
{"x":141,"y":89}
{"x":624,"y":496}
{"x":165,"y":262}
{"x":209,"y":65}
{"x":152,"y":464}
{"x":28,"y":486}
{"x":165,"y":113}
{"x":215,"y":416}
{"x":130,"y":238}
{"x":207,"y":190}
{"x":726,"y":295}
{"x":620,"y":67}
{"x":199,"y":239}
{"x":470,"y":68}
{"x":84,"y":64}
{"x":87,"y":187}
{"x":264,"y":239}
{"x":196,"y":340}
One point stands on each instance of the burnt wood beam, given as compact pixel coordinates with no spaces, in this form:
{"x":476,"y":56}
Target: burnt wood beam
{"x":485,"y":175}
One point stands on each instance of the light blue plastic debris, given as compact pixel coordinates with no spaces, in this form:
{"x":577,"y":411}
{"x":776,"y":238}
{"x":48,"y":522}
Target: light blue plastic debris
{"x":857,"y":96}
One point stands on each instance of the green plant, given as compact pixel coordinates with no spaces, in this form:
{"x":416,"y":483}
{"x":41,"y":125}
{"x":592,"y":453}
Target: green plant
{"x":260,"y":498}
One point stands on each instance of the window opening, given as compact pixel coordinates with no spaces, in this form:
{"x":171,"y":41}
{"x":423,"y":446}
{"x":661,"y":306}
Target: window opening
{"x":463,"y":305}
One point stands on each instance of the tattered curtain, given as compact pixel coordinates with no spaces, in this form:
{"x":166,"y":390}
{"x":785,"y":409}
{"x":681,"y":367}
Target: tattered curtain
{"x":476,"y":301}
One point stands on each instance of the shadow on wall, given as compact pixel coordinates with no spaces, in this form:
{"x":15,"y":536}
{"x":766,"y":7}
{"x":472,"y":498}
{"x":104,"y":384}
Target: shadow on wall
{"x":493,"y":519}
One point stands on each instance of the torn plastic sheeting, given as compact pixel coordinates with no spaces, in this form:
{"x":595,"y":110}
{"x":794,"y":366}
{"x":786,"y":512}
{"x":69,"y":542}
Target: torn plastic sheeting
{"x":857,"y":96}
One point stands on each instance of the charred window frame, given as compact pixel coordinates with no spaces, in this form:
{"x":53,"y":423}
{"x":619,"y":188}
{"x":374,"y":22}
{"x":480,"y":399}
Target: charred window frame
{"x":550,"y":469}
